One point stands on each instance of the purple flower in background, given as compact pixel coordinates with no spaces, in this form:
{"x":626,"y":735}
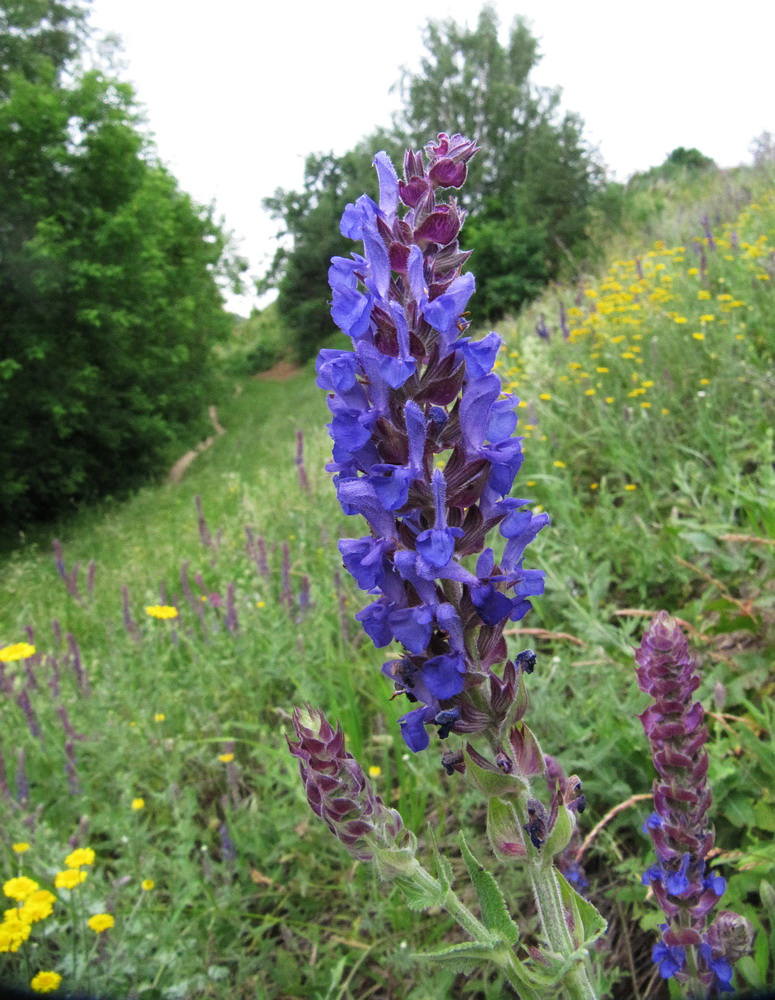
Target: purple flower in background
{"x":680,"y":827}
{"x":424,"y":448}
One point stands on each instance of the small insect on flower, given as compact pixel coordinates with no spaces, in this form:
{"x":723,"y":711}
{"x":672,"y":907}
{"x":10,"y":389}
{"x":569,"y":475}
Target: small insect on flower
{"x":100,"y":922}
{"x":161,"y":611}
{"x":80,"y":856}
{"x":46,"y":982}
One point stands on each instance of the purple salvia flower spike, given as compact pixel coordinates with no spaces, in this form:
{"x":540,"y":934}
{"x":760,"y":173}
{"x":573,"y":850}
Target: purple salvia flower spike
{"x":76,"y":663}
{"x":680,"y":826}
{"x":303,"y":480}
{"x":396,"y":403}
{"x":231,"y":609}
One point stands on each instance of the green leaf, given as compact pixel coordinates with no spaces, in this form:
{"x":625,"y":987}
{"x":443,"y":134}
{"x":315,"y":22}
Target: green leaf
{"x":589,"y":924}
{"x":495,"y":914}
{"x":467,"y":957}
{"x":421,"y":896}
{"x":443,"y":867}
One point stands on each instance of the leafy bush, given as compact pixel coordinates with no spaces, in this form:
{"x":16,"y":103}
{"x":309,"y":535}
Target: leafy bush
{"x":108,"y":294}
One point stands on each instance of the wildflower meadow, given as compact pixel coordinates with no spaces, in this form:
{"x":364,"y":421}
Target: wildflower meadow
{"x":554,"y":774}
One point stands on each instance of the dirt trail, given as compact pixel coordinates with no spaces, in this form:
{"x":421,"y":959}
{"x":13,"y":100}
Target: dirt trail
{"x":178,"y":469}
{"x":280,"y":372}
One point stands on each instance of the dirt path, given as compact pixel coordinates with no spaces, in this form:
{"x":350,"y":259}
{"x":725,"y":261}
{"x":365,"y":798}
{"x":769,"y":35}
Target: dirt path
{"x":178,"y":469}
{"x":279,"y":372}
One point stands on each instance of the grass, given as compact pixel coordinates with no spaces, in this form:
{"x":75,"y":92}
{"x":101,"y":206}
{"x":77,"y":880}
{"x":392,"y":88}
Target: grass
{"x":659,"y":505}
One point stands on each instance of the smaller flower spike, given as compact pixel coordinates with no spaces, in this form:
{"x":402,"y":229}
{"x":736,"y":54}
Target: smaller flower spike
{"x":697,"y":956}
{"x":339,"y":793}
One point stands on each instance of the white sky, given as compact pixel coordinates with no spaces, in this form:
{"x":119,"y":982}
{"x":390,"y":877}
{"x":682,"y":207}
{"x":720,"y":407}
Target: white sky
{"x":238,"y":92}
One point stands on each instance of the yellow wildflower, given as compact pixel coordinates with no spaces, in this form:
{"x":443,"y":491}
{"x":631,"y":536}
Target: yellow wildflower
{"x":138,"y":804}
{"x":20,"y":888}
{"x":81,"y":856}
{"x":37,"y":906}
{"x":159,"y":717}
{"x":226,"y":758}
{"x":545,"y":395}
{"x":100,"y":922}
{"x":18,"y":651}
{"x":707,"y":318}
{"x":698,"y":336}
{"x":559,"y":464}
{"x":13,"y":931}
{"x":147,"y":884}
{"x":69,"y":879}
{"x":21,"y":847}
{"x":630,"y":487}
{"x":161,"y":611}
{"x":375,"y":771}
{"x":46,"y":982}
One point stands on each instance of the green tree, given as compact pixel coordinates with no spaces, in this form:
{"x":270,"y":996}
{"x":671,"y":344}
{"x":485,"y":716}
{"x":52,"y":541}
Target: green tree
{"x":109,"y":294}
{"x":310,"y":228}
{"x":535,"y":179}
{"x":531,"y":187}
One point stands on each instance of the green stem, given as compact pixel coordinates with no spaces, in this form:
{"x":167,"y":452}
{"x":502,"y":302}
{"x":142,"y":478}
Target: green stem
{"x":548,"y":899}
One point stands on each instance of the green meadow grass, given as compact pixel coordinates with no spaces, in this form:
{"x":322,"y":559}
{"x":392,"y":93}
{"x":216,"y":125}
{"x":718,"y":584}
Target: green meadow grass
{"x":668,"y":504}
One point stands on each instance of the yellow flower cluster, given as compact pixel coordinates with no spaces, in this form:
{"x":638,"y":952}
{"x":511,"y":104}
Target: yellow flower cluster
{"x":18,"y":651}
{"x":33,"y":904}
{"x":161,"y":611}
{"x":614,"y":327}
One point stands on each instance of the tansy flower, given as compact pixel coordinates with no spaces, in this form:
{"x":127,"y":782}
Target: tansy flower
{"x":18,"y":651}
{"x":100,"y":922}
{"x":37,"y":906}
{"x":20,"y":888}
{"x":161,"y":611}
{"x":46,"y":982}
{"x":13,"y":931}
{"x":138,"y":804}
{"x":147,"y":884}
{"x":69,"y":879}
{"x":21,"y":847}
{"x":80,"y":856}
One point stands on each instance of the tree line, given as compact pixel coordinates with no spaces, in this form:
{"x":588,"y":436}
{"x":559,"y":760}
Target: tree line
{"x":532,"y":187}
{"x":110,"y":276}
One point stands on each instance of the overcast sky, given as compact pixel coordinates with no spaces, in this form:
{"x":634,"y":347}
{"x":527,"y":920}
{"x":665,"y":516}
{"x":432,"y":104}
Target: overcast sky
{"x":237,"y":92}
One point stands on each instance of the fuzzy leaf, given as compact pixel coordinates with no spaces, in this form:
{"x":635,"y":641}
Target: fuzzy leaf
{"x":421,"y":897}
{"x":589,"y":924}
{"x":495,"y":915}
{"x":466,"y":957}
{"x":442,"y":865}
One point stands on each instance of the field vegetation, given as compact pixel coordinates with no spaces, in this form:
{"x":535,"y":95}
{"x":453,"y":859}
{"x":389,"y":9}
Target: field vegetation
{"x":647,"y":405}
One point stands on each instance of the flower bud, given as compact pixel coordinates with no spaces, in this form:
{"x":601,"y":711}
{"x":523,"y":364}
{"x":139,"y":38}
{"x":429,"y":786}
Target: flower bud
{"x":339,"y":792}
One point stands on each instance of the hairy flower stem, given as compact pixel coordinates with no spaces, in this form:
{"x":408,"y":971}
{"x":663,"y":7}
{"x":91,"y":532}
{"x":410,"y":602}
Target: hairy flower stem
{"x":548,"y":898}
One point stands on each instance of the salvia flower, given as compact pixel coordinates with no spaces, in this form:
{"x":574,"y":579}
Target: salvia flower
{"x":339,"y":793}
{"x":424,"y":448}
{"x":686,"y":889}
